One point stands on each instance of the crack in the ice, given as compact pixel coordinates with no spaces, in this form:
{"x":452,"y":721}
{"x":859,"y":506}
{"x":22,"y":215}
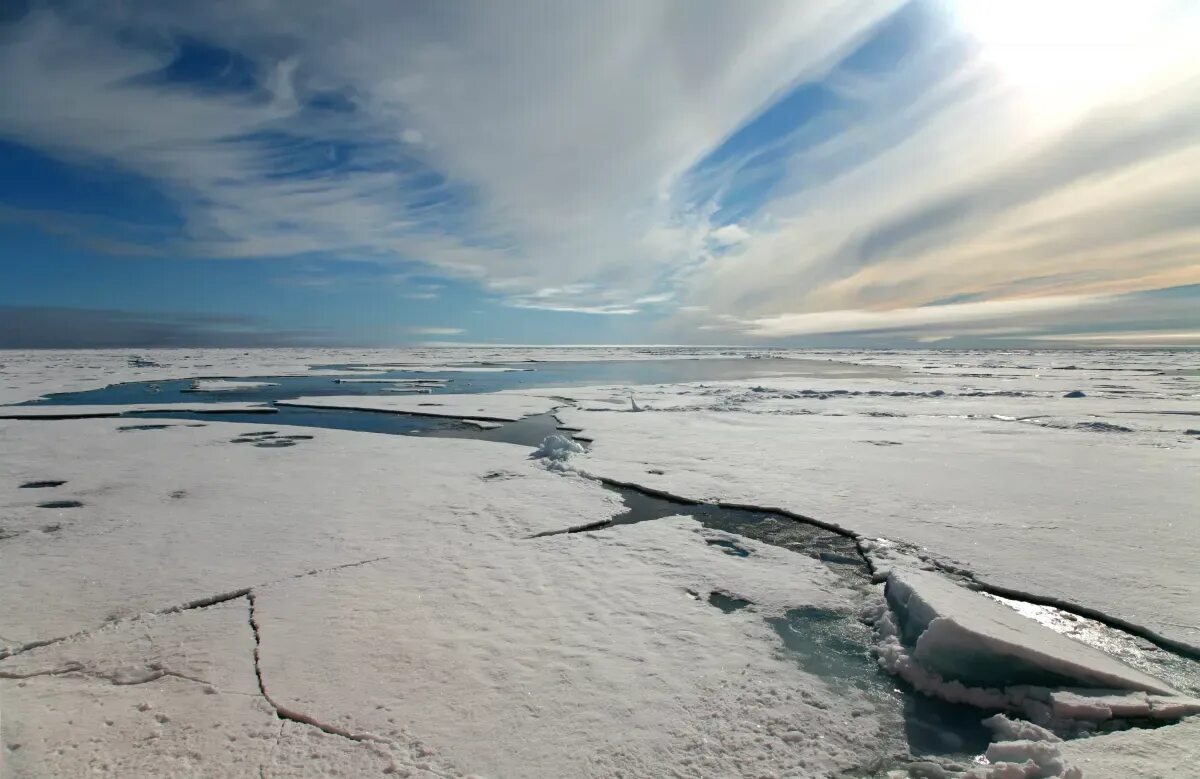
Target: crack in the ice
{"x":284,"y":713}
{"x":117,"y":679}
{"x":198,"y":603}
{"x":1165,"y":643}
{"x":316,"y":571}
{"x":587,"y":528}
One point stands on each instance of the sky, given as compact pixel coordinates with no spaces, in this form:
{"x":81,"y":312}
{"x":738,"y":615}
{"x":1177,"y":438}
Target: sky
{"x":840,"y":173}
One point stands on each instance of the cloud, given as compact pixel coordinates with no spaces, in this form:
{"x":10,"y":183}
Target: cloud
{"x":773,"y":169}
{"x":46,"y":327}
{"x":729,"y":235}
{"x":1150,"y":338}
{"x":481,"y":140}
{"x":422,"y":291}
{"x":939,"y":180}
{"x":908,"y":319}
{"x":436,"y":330}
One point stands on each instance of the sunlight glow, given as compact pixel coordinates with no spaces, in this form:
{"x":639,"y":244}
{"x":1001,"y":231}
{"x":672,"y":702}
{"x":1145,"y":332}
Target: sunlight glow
{"x":1067,"y":55}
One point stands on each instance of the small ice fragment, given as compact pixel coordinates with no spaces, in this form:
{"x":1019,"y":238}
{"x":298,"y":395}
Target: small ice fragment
{"x":555,"y":451}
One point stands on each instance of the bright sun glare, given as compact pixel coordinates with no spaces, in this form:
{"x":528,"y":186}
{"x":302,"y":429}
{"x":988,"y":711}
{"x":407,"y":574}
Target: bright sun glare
{"x":1065,"y":55}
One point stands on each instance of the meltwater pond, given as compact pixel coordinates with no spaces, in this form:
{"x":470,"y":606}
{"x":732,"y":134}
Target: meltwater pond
{"x":471,"y":378}
{"x":467,"y":378}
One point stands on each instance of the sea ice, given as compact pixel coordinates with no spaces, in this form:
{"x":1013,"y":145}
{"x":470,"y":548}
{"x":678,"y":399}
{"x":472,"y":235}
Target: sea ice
{"x":965,"y":637}
{"x":497,"y":407}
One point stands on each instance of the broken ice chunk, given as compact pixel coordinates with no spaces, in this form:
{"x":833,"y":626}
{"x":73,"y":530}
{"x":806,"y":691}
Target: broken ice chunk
{"x":555,"y":451}
{"x":963,"y":636}
{"x":1103,"y":705}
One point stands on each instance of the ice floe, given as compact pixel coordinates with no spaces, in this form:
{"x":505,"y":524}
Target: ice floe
{"x":498,"y":407}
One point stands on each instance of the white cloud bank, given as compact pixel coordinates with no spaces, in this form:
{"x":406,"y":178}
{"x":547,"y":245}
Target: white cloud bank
{"x":547,"y":150}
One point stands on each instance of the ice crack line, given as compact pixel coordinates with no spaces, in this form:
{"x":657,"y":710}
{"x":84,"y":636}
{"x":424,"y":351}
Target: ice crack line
{"x":127,"y":679}
{"x":284,"y":713}
{"x":1165,"y":643}
{"x":199,"y":603}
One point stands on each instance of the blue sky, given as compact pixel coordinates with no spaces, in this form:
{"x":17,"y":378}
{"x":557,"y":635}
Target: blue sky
{"x":868,"y":173}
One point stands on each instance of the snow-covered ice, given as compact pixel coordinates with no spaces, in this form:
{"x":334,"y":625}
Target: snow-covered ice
{"x":492,"y":650}
{"x":362,"y":604}
{"x":1025,"y":508}
{"x":496,"y":407}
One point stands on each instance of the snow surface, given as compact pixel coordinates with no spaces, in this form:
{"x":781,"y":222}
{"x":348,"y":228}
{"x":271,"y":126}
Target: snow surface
{"x":522,"y":661}
{"x":1164,"y":753}
{"x":402,"y":604}
{"x":390,"y":596}
{"x":1029,"y":508}
{"x":496,"y":407}
{"x":83,"y":412}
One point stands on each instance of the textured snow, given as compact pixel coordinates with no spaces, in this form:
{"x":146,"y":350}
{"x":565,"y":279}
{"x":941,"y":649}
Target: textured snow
{"x":401,"y":602}
{"x":195,"y":515}
{"x":1171,"y":752}
{"x":169,"y":695}
{"x":522,"y":661}
{"x":501,"y":407}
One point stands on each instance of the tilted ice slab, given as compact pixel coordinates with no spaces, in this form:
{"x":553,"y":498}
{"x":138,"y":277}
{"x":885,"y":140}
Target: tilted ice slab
{"x":86,"y":412}
{"x":493,"y":407}
{"x":225,"y":385}
{"x":965,"y":637}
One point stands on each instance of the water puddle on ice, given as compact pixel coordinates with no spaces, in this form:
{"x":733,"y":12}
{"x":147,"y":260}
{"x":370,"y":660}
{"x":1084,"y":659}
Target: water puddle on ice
{"x":372,"y":380}
{"x":529,"y":431}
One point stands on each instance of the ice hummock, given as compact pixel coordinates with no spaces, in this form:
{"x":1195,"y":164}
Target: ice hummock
{"x":555,"y":452}
{"x":956,"y":644}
